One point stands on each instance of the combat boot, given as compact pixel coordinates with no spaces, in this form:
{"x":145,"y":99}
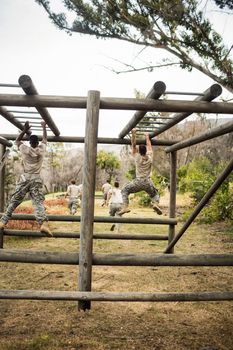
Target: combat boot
{"x":124,"y":210}
{"x":45,"y":229}
{"x":157,"y":209}
{"x":2,"y":225}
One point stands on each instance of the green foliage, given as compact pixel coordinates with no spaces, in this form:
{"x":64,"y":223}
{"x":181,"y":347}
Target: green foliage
{"x":228,"y":4}
{"x":197,"y":178}
{"x":107,"y":161}
{"x":178,"y":26}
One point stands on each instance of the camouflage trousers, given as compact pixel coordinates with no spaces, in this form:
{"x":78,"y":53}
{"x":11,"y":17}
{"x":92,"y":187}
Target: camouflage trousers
{"x":73,"y":204}
{"x":35,"y":189}
{"x":114,"y":209}
{"x":137,"y":185}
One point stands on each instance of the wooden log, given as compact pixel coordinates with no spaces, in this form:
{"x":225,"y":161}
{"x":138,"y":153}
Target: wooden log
{"x":117,"y":236}
{"x":104,"y":140}
{"x":102,"y":219}
{"x":43,"y":257}
{"x":27,"y":85}
{"x":103,"y":296}
{"x":210,"y":134}
{"x":172,"y":204}
{"x":210,"y":94}
{"x":88,"y":196}
{"x":201,"y":204}
{"x":117,"y":103}
{"x":2,"y":178}
{"x":5,"y":142}
{"x":10,"y":117}
{"x":157,"y":90}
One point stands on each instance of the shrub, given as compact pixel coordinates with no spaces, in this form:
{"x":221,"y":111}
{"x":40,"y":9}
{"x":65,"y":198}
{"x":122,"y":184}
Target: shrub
{"x":197,"y":178}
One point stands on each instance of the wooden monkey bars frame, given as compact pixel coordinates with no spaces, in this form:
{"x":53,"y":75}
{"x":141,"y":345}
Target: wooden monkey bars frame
{"x":86,"y":258}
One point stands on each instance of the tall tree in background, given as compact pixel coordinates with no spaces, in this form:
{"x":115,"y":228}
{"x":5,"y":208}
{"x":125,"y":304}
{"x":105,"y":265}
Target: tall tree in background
{"x":177,"y":26}
{"x":108,"y":162}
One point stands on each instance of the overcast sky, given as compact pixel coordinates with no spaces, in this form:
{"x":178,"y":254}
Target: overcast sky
{"x":60,"y":64}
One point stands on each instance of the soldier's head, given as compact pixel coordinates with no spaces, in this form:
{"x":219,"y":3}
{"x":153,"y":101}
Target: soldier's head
{"x":116,"y":184}
{"x":34,"y":141}
{"x":142,"y":150}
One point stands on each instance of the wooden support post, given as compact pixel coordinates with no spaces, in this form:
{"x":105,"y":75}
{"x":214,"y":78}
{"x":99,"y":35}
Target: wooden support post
{"x":2,"y":178}
{"x":202,"y":203}
{"x":2,"y":181}
{"x":172,"y":207}
{"x":88,"y":197}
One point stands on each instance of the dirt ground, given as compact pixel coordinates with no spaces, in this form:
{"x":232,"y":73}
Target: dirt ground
{"x":58,"y":325}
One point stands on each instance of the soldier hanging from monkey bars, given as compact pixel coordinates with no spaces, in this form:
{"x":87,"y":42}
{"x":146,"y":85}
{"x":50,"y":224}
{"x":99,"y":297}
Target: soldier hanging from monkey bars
{"x":30,"y":180}
{"x":143,"y":161}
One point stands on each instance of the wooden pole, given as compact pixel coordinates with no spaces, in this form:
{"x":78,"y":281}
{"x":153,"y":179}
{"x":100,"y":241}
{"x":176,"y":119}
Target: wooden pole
{"x":5,"y":142}
{"x":27,"y":85}
{"x":104,"y":140}
{"x":202,"y":203}
{"x":172,"y":205}
{"x":2,"y":178}
{"x":74,"y":218}
{"x":117,"y":103}
{"x":2,"y":184}
{"x":210,"y":134}
{"x":157,"y":90}
{"x":10,"y":117}
{"x":210,"y":94}
{"x":101,"y":296}
{"x":117,"y":236}
{"x":88,"y":196}
{"x":127,"y":259}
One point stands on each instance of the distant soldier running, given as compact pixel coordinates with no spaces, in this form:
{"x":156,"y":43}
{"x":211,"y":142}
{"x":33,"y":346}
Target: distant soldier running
{"x":105,"y":188}
{"x":142,"y":182}
{"x":30,"y":181}
{"x":74,"y":193}
{"x":115,"y":196}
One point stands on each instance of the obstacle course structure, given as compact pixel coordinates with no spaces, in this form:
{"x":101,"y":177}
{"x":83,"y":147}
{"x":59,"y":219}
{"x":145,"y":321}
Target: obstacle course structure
{"x":85,"y":258}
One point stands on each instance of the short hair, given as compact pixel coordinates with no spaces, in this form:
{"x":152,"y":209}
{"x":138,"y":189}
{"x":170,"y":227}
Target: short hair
{"x":116,"y":184}
{"x":73,"y":182}
{"x":33,"y":139}
{"x":142,"y":150}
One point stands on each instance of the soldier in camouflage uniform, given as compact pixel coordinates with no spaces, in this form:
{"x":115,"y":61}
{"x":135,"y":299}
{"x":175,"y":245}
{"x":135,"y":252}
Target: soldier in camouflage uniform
{"x":142,"y":182}
{"x":30,"y":181}
{"x":74,"y":192}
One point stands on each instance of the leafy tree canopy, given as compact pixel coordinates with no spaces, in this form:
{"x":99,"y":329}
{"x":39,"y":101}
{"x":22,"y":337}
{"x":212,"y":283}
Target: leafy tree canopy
{"x":224,"y":4}
{"x":177,"y":26}
{"x":108,"y":162}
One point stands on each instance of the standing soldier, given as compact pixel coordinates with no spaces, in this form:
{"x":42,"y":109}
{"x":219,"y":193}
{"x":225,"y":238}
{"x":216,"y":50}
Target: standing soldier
{"x":30,"y":181}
